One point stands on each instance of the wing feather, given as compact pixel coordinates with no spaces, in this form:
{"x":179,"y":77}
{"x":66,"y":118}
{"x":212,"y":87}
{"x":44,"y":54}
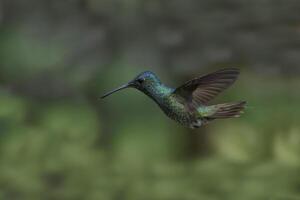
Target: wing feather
{"x":201,"y":90}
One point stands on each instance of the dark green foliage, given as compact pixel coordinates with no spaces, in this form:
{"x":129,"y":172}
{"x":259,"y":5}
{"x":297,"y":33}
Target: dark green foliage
{"x":57,"y":156}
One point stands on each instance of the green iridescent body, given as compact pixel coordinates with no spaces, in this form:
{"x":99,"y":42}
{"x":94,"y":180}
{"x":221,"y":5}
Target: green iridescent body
{"x":169,"y":103}
{"x":187,"y":104}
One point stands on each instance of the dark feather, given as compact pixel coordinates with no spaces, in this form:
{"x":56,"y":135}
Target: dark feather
{"x":201,"y":90}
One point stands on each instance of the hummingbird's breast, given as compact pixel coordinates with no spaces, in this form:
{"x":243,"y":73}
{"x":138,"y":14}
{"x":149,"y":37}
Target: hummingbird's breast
{"x":171,"y":106}
{"x":176,"y":110}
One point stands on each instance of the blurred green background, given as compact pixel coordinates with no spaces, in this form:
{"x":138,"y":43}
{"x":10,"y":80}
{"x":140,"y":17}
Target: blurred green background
{"x":60,"y":141}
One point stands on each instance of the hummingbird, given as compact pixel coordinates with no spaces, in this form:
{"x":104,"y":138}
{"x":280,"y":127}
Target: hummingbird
{"x":188,"y":104}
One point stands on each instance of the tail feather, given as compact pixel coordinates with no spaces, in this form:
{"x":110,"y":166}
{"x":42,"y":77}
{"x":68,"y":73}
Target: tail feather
{"x":227,"y":110}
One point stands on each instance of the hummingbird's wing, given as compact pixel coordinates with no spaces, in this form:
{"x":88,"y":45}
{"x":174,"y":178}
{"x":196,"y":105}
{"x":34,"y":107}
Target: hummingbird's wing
{"x":201,"y":90}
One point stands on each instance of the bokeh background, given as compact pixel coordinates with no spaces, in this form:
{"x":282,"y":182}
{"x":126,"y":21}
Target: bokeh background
{"x":58,"y":140}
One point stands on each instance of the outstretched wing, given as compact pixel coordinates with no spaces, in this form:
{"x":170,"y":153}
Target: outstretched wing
{"x":201,"y":90}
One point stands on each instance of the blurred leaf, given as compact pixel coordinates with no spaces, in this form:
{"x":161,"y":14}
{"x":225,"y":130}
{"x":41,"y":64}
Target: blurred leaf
{"x":71,"y":121}
{"x":13,"y":109}
{"x":240,"y":142}
{"x":287,"y":146}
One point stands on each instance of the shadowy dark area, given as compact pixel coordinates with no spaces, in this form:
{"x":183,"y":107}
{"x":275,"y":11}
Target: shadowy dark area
{"x":59,"y":140}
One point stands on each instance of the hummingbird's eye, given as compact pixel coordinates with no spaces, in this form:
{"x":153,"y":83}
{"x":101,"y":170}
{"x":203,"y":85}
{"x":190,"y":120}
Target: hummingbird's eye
{"x":141,"y":80}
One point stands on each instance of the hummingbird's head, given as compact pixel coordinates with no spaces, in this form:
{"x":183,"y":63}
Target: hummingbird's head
{"x":144,"y":82}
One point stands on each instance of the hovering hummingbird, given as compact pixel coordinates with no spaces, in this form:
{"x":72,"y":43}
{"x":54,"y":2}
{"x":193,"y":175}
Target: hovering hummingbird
{"x":188,"y":104}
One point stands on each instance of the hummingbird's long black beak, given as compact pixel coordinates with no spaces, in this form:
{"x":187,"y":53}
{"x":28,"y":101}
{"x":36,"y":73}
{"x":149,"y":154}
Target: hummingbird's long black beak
{"x":118,"y":89}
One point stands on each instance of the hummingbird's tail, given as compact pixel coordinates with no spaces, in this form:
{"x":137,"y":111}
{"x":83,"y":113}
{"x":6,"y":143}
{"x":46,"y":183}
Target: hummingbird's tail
{"x":223,"y":111}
